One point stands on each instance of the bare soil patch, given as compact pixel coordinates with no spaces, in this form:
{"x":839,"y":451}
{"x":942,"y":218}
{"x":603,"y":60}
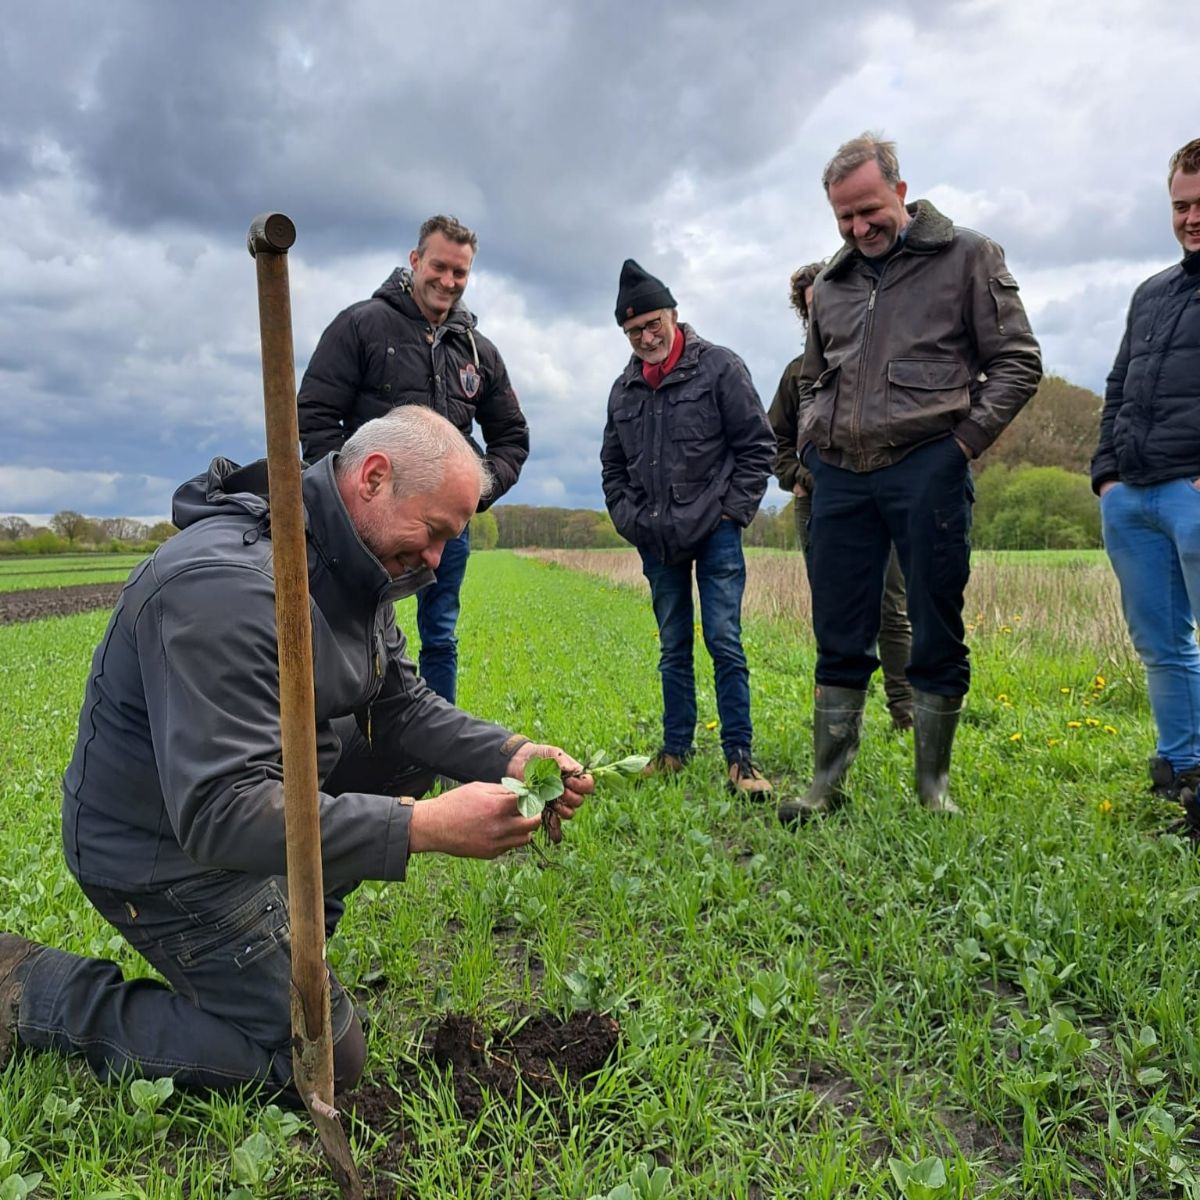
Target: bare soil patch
{"x":541,"y":1054}
{"x":37,"y":604}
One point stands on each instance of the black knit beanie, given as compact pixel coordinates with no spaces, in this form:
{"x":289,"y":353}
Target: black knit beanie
{"x":639,"y":292}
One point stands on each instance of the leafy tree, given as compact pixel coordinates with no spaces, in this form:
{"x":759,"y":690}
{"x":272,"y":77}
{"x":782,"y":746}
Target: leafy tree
{"x":14,"y":527}
{"x":485,"y":533}
{"x":71,"y":525}
{"x":160,"y":531}
{"x":1035,"y":508}
{"x":1057,"y":428}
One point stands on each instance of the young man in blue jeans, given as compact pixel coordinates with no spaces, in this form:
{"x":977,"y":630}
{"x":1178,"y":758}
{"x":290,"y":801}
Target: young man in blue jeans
{"x":1146,"y":471}
{"x":685,"y":458}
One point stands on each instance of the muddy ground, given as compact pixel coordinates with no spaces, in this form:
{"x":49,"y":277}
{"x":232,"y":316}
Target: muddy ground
{"x":36,"y":604}
{"x":541,"y":1054}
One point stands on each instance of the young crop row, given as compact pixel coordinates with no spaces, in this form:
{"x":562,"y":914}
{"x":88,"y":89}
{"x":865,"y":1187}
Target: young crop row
{"x":880,"y":1004}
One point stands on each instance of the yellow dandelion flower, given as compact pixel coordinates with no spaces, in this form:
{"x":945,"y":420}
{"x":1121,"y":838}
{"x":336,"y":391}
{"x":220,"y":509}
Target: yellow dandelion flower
{"x":1017,"y":617}
{"x":1099,"y":682}
{"x":1052,"y":741}
{"x":1093,"y":722}
{"x":1105,"y":806}
{"x":1016,"y":737}
{"x":1006,"y":629}
{"x":1065,"y":691}
{"x":970,"y":627}
{"x":1109,"y":729}
{"x":1003,"y":697}
{"x":710,"y":725}
{"x":1074,"y":724}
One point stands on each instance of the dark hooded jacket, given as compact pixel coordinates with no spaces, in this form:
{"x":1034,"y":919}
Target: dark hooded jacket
{"x":676,"y":459}
{"x":382,"y":352}
{"x":1150,"y":426}
{"x":934,"y":344}
{"x":177,"y":769}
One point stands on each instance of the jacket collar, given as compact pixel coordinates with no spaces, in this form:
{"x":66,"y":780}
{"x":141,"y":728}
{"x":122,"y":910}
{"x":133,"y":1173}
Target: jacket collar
{"x":928,"y":232}
{"x":1191,"y":263}
{"x":396,"y":290}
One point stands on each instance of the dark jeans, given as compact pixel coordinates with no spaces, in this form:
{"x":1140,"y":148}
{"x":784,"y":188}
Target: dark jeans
{"x":720,"y":579}
{"x":922,"y":505}
{"x":437,"y":616}
{"x":221,"y":941}
{"x":895,"y":630}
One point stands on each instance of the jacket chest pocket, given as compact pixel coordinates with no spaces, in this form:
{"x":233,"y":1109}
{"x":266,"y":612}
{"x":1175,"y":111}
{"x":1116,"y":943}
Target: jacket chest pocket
{"x":693,"y":441}
{"x":629,"y":423}
{"x":926,"y":398}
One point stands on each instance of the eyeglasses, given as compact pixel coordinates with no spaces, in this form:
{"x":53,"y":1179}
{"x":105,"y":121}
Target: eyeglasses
{"x":654,"y":328}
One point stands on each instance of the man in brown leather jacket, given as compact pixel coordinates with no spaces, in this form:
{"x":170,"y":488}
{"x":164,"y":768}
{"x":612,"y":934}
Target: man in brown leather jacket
{"x":919,"y":354}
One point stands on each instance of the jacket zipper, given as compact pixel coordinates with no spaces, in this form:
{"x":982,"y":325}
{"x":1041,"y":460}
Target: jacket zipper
{"x":856,"y":415}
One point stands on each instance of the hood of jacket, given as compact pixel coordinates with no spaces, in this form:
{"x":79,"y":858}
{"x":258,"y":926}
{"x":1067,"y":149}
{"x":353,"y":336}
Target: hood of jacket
{"x":396,"y":290}
{"x":928,"y":232}
{"x":227,"y":489}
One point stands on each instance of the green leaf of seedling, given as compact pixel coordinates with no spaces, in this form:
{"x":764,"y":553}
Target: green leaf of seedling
{"x":252,"y":1160}
{"x":514,"y":785}
{"x":530,"y":804}
{"x":924,"y":1180}
{"x":1150,"y":1076}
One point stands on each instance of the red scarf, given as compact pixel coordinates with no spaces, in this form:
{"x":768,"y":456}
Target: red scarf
{"x":655,"y":373}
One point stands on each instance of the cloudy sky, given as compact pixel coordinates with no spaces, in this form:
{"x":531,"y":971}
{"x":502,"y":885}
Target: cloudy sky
{"x":138,"y":139}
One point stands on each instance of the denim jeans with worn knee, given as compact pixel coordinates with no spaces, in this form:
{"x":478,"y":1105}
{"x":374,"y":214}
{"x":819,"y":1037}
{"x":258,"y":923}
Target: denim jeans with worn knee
{"x":1152,"y":535}
{"x":220,"y":940}
{"x":438,"y":607}
{"x":720,"y":572}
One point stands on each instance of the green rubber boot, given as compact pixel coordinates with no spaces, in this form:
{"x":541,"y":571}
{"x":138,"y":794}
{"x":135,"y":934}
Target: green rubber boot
{"x":837,"y":723}
{"x":935,"y":719}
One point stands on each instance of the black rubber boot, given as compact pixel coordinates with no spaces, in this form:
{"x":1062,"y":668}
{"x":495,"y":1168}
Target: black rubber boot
{"x":15,"y":953}
{"x":935,"y":719}
{"x":837,"y":723}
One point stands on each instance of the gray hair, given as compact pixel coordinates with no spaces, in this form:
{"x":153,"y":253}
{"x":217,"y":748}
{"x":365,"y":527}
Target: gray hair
{"x":867,"y":147}
{"x":419,"y":444}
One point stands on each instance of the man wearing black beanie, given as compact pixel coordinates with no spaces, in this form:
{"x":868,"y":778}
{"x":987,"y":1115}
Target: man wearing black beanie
{"x":685,"y":459}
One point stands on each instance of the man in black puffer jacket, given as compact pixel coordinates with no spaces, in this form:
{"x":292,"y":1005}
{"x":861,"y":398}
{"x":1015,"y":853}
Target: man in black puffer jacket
{"x":414,"y":342}
{"x":1146,"y":471}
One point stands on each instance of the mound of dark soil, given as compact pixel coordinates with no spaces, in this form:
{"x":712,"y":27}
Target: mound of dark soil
{"x":36,"y":604}
{"x":541,"y":1054}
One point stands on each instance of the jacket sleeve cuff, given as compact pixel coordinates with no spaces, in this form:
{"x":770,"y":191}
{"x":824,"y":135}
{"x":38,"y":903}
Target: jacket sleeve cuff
{"x":972,"y":437}
{"x":395,"y":850}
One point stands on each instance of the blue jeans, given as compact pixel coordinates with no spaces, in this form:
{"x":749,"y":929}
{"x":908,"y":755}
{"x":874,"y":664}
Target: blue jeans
{"x":721,"y":580}
{"x":221,"y":940}
{"x":922,"y":505}
{"x":1152,"y":535}
{"x":437,"y":616}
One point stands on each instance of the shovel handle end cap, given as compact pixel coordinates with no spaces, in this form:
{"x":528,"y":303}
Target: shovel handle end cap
{"x":270,"y":233}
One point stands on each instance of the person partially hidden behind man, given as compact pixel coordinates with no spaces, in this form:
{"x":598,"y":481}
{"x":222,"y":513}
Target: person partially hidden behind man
{"x":918,"y":356}
{"x":895,"y":631}
{"x":173,"y":799}
{"x":684,"y":461}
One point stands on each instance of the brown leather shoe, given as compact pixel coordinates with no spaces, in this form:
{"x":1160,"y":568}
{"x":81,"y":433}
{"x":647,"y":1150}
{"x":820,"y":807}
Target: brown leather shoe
{"x":745,"y":779}
{"x":663,"y":764}
{"x":14,"y":951}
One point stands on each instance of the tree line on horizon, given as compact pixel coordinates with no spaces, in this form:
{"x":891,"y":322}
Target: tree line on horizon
{"x":1032,"y":491}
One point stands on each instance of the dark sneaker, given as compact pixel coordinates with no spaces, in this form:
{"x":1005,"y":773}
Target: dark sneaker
{"x":745,"y":779}
{"x":14,"y":952}
{"x":663,"y":764}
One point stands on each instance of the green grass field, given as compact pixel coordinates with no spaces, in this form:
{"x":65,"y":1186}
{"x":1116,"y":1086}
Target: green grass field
{"x":883,"y":1004}
{"x":64,"y":570}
